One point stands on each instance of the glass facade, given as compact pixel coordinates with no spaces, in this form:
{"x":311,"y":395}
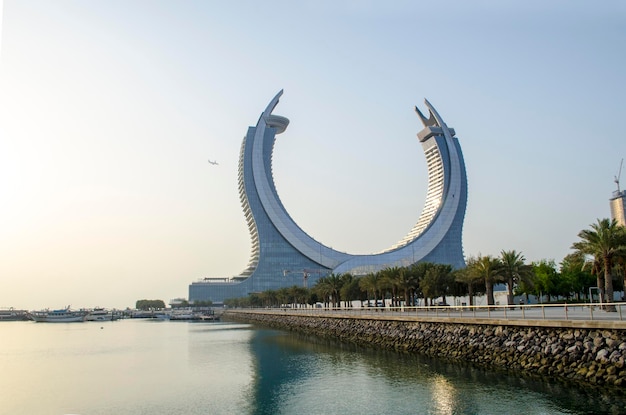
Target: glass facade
{"x":282,"y":253}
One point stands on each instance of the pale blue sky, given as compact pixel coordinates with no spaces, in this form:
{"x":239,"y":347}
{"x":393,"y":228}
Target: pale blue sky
{"x":109,"y":111}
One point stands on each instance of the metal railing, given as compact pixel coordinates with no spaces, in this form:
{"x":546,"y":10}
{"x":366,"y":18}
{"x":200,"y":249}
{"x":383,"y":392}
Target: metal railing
{"x":569,"y":312}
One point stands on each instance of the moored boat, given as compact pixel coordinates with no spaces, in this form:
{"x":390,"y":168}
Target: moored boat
{"x":10,"y":314}
{"x":101,"y":314}
{"x":188,"y":314}
{"x":63,"y":315}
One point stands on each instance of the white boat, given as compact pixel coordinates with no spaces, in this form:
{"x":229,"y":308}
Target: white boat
{"x":100,"y":314}
{"x":64,"y":315}
{"x":182,"y":314}
{"x":10,"y":314}
{"x":193,"y":315}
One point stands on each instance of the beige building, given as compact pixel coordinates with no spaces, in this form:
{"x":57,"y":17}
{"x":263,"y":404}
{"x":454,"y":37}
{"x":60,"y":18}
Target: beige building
{"x":618,"y":202}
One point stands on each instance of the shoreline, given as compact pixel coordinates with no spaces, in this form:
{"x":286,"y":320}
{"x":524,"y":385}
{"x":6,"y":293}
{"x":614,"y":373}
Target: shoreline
{"x":587,"y":356}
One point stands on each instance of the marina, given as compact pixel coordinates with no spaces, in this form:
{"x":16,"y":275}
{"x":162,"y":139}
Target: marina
{"x":101,"y":314}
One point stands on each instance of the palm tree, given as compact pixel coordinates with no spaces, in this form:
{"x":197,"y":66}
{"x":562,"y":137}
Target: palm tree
{"x":323,"y":290}
{"x":371,"y":284}
{"x":419,"y":271}
{"x":334,"y":283}
{"x":407,"y":283}
{"x":466,"y":276}
{"x":514,"y":270}
{"x":486,"y":268}
{"x":390,"y":278}
{"x":349,"y":289}
{"x":605,"y":242}
{"x":437,"y":281}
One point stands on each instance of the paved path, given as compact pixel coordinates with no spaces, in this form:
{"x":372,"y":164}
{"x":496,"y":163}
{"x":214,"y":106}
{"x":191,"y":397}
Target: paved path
{"x":581,"y":316}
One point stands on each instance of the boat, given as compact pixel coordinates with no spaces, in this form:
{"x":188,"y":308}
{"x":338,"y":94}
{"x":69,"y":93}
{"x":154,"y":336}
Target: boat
{"x":193,"y":315}
{"x":101,"y":314}
{"x":182,"y":315}
{"x":10,"y":314}
{"x":63,"y":315}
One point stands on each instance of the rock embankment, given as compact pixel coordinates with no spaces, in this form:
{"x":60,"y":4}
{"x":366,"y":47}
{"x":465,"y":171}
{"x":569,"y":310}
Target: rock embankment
{"x":582,"y":355}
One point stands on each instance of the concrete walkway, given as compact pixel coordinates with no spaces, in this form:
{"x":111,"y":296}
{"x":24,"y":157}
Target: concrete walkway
{"x":575,"y":316}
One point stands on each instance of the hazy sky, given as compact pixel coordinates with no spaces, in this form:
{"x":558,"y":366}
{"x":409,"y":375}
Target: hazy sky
{"x":109,"y":111}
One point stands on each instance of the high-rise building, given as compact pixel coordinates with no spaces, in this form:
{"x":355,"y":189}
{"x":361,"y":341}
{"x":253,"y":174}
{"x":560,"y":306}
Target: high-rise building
{"x":281,"y":248}
{"x":618,"y":207}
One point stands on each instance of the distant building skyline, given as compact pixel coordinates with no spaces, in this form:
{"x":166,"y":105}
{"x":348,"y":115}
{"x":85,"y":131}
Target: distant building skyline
{"x":281,"y":248}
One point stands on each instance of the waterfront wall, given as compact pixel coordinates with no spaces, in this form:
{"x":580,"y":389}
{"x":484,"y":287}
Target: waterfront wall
{"x":583,"y":355}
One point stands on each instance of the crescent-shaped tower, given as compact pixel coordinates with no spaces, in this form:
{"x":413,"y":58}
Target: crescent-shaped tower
{"x":280,"y":247}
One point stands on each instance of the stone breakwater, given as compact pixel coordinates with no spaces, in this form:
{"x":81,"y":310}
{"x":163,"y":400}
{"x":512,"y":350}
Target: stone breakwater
{"x":591,"y":356}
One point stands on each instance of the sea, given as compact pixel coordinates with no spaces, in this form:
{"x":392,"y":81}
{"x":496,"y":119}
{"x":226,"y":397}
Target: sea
{"x":151,"y":367}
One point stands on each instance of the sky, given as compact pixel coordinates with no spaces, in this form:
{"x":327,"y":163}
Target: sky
{"x":110,"y":110}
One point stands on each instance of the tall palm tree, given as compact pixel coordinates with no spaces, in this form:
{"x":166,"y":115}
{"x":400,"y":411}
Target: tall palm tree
{"x":407,"y":282}
{"x":605,"y":242}
{"x":334,"y":283}
{"x":514,"y":270}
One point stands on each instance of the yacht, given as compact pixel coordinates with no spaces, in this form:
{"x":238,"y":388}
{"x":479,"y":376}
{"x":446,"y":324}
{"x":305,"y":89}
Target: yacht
{"x":101,"y":314}
{"x":63,"y":315}
{"x":10,"y":314}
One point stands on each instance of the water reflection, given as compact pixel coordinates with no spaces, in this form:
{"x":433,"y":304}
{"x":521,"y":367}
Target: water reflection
{"x":294,"y":373}
{"x":143,"y":367}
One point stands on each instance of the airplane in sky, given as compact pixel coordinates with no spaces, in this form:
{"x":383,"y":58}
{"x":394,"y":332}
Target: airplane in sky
{"x":215,"y":163}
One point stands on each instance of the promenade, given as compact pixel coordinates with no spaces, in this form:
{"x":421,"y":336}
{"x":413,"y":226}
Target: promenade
{"x":541,"y":315}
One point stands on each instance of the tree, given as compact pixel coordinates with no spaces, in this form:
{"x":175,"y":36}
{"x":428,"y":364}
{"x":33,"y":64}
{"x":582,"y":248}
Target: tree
{"x":471,"y":279}
{"x":334,"y":282}
{"x":149,"y":305}
{"x":390,"y":278}
{"x":419,"y":271}
{"x":329,"y":288}
{"x":545,"y":280}
{"x":605,"y":242}
{"x":576,"y":275}
{"x":437,"y":281}
{"x":371,"y":284}
{"x":486,"y":268}
{"x":349,"y":289}
{"x":514,"y":270}
{"x":407,"y":283}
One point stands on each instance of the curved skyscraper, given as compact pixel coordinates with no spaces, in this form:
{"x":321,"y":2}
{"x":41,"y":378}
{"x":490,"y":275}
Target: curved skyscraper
{"x":280,"y":247}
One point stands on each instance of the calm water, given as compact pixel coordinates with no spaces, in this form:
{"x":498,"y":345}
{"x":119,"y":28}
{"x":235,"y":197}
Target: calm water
{"x":150,"y":367}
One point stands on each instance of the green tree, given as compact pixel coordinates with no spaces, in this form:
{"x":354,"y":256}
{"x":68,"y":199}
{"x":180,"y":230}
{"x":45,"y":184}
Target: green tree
{"x":419,"y":271}
{"x":487,"y":269}
{"x":349,"y":289}
{"x":390,"y":278}
{"x":438,"y":281}
{"x":407,"y":283}
{"x":545,"y":280}
{"x":329,"y":288}
{"x":469,"y":278}
{"x":514,"y":270}
{"x":371,"y":284}
{"x":605,"y":241}
{"x":149,"y":305}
